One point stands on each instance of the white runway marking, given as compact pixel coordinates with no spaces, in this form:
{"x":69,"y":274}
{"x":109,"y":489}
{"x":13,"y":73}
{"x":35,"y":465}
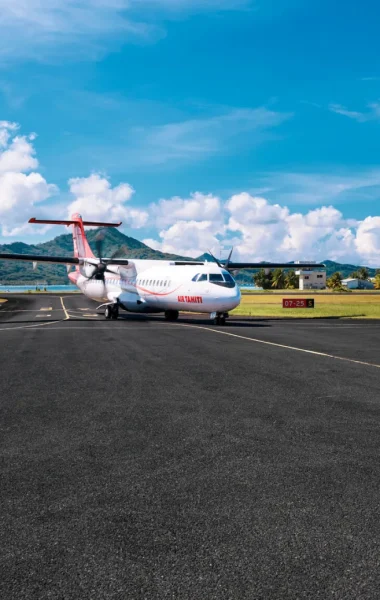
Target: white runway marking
{"x":67,"y":317}
{"x":28,"y":326}
{"x":275,"y":344}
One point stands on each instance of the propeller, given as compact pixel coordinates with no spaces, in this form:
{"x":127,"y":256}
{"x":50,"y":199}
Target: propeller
{"x":223,"y":265}
{"x":101,"y":267}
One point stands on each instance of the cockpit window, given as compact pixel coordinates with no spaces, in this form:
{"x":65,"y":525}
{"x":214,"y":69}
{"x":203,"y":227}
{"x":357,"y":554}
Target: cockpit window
{"x":224,"y":280}
{"x":216,"y":277}
{"x":195,"y":277}
{"x":228,"y":278}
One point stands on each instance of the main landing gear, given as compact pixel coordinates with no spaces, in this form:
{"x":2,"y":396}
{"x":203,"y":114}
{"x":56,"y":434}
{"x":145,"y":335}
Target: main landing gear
{"x":111,"y":311}
{"x":171,"y":315}
{"x":220,"y":319}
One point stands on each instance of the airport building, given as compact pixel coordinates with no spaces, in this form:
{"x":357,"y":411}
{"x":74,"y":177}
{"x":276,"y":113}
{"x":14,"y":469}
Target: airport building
{"x":357,"y":284}
{"x":311,"y":279}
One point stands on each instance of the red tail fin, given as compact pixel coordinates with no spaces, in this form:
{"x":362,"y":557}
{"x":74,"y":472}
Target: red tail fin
{"x":81,"y":245}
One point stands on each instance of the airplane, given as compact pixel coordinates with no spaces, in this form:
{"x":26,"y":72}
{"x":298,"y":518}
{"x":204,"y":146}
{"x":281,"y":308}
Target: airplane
{"x":149,"y":286}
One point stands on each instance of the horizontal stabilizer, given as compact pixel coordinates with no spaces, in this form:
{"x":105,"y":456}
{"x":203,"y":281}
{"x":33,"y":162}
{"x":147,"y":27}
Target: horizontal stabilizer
{"x":62,"y":222}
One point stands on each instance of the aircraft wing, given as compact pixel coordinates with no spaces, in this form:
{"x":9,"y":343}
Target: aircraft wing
{"x":59,"y":260}
{"x":62,"y":260}
{"x":278,"y":265}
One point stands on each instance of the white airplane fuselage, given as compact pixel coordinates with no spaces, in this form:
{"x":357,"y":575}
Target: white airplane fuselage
{"x":147,"y":286}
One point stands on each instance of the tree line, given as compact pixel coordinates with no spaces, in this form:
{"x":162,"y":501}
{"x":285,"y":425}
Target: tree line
{"x":335,"y":281}
{"x":276,"y":279}
{"x":279,"y":279}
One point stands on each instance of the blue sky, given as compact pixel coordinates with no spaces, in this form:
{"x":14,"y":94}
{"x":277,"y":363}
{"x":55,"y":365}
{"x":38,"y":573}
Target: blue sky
{"x":142,"y":104}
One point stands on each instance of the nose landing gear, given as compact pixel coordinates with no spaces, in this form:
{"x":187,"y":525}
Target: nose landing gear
{"x":111,"y":311}
{"x":220,"y":318}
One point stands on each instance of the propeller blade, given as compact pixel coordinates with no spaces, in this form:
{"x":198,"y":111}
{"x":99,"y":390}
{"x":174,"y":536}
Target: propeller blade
{"x":215,"y":259}
{"x":228,"y":259}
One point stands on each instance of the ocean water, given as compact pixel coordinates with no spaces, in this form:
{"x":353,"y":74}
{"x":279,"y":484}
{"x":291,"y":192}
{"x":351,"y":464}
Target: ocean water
{"x":26,"y":288}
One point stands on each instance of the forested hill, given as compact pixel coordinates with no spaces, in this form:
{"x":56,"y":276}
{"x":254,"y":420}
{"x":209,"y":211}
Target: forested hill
{"x":345,"y":269}
{"x":114,"y":240}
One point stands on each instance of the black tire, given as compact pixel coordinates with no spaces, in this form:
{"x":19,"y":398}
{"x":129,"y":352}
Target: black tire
{"x":171,"y":315}
{"x":108,"y":312}
{"x":115,"y":312}
{"x":220,"y":320}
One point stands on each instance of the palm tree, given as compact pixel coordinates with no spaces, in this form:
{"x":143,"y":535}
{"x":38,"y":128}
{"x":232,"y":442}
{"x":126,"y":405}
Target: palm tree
{"x":363,"y":273}
{"x":292,"y":280}
{"x":262,"y":280}
{"x":335,"y":281}
{"x":278,"y":279}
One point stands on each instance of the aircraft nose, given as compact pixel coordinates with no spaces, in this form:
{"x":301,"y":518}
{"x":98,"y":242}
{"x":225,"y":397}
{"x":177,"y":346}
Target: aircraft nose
{"x":232,"y":298}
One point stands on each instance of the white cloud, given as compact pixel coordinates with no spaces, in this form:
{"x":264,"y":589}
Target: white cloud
{"x":197,"y":207}
{"x":18,"y":155}
{"x":54,"y":29}
{"x":317,"y":188}
{"x":189,"y":238}
{"x":372,"y":114}
{"x":260,"y":230}
{"x":192,"y":224}
{"x":195,"y":138}
{"x":96,"y":200}
{"x":21,"y":190}
{"x":6,"y":129}
{"x":367,"y":240}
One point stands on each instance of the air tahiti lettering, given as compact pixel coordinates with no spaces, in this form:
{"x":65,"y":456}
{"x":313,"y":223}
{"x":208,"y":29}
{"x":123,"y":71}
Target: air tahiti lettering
{"x":191,"y":299}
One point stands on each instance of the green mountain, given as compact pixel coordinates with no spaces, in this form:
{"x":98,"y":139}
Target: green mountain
{"x":345,"y":269}
{"x":114,"y":241}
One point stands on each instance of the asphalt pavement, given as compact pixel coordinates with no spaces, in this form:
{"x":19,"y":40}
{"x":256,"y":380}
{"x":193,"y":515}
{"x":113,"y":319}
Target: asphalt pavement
{"x":144,"y":460}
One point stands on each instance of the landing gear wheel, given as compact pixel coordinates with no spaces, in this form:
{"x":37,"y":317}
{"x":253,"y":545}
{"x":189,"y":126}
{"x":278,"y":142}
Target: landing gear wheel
{"x":115,"y":312}
{"x":220,"y":320}
{"x":171,"y":315}
{"x":108,"y":312}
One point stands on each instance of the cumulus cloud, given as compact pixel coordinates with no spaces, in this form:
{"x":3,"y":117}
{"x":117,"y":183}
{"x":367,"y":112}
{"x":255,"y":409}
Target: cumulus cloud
{"x":198,"y":207}
{"x":22,"y":188}
{"x":367,"y":240}
{"x":189,"y":226}
{"x":260,"y":230}
{"x":188,"y":238}
{"x":98,"y":201}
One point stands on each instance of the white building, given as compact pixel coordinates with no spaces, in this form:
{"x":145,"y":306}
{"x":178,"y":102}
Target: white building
{"x":311,"y":279}
{"x":357,"y":284}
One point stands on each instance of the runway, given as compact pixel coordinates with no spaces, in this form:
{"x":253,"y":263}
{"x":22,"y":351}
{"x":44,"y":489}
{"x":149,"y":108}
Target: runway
{"x":146,"y":459}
